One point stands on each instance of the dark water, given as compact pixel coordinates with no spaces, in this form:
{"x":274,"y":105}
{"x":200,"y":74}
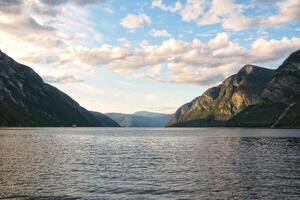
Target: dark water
{"x":149,"y":164}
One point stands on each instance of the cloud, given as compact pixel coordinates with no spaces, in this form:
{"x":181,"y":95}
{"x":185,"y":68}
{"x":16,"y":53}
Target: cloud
{"x":40,"y":35}
{"x":231,"y":15}
{"x":27,"y":24}
{"x":11,"y":6}
{"x":28,"y":29}
{"x":288,"y":11}
{"x":171,"y":8}
{"x":200,"y":77}
{"x":220,"y":41}
{"x":155,"y":72}
{"x":192,"y":62}
{"x":62,"y":39}
{"x":41,"y":9}
{"x":39,"y":58}
{"x":206,"y":12}
{"x":228,"y":14}
{"x":27,"y":8}
{"x":65,"y":79}
{"x":54,"y":2}
{"x":78,"y":2}
{"x":160,"y":33}
{"x":47,"y":26}
{"x":264,"y":51}
{"x":192,"y":10}
{"x":135,"y":21}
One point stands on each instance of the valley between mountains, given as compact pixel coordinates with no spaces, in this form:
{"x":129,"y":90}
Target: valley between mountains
{"x":253,"y":97}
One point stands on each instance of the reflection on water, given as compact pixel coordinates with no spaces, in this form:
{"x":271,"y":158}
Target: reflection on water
{"x":149,"y":164}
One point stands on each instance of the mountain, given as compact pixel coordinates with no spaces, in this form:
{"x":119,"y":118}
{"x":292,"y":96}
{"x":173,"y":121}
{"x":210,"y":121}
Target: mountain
{"x":104,"y":120}
{"x":218,"y":104}
{"x":25,"y":100}
{"x":151,"y":114}
{"x":281,"y":100}
{"x":140,"y":119}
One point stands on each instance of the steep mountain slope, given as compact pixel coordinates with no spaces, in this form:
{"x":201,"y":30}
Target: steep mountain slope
{"x":218,"y":104}
{"x":281,"y":99}
{"x":140,"y":119}
{"x":104,"y":120}
{"x":25,"y":100}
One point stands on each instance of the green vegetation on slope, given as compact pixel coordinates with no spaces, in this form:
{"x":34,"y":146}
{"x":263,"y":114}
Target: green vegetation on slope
{"x":222,"y":102}
{"x":251,"y":98}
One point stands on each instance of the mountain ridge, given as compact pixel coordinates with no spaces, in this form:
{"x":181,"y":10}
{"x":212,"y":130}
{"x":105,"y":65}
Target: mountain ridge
{"x":280,"y":107}
{"x":26,"y":100}
{"x":140,"y":119}
{"x":275,"y":99}
{"x":218,"y":104}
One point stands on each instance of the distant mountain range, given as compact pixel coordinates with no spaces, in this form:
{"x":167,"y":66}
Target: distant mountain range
{"x":140,"y":119}
{"x":254,"y":97}
{"x":25,"y":100}
{"x":104,"y":120}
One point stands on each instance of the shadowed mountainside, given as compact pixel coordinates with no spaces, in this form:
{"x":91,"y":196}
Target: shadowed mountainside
{"x":280,"y":105}
{"x":104,"y":120}
{"x":25,"y":100}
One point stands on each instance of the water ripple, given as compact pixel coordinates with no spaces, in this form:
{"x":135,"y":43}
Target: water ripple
{"x":149,"y":164}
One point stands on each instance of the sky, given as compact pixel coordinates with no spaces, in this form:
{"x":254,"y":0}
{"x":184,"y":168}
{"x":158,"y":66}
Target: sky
{"x":154,"y":55}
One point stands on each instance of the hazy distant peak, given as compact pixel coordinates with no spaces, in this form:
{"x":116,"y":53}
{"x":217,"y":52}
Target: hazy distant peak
{"x":148,"y":114}
{"x":140,"y":119}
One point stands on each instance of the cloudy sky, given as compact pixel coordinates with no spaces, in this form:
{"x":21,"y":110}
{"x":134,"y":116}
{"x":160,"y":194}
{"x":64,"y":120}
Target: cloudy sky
{"x":130,"y":55}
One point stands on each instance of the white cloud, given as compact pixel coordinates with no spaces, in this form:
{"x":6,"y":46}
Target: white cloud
{"x":171,"y":8}
{"x":192,"y":10}
{"x":41,"y":58}
{"x":65,"y":42}
{"x":227,"y":13}
{"x":263,"y":51}
{"x":196,"y":77}
{"x":78,"y":2}
{"x":288,"y":11}
{"x":231,"y":15}
{"x":155,"y":72}
{"x":187,"y":62}
{"x":160,"y":33}
{"x":132,"y":22}
{"x":220,"y":41}
{"x":206,"y":12}
{"x":28,"y":29}
{"x":47,"y":25}
{"x":42,"y":36}
{"x":62,"y":79}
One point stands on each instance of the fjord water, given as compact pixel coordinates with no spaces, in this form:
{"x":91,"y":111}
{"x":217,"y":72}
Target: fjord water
{"x":129,"y":163}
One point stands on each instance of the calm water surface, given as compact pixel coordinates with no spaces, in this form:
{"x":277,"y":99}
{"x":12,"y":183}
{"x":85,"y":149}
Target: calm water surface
{"x":121,"y":163}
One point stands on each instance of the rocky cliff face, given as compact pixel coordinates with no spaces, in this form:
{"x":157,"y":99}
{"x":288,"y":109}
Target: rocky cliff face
{"x":218,"y":104}
{"x":285,"y":84}
{"x":281,"y":100}
{"x":25,"y":100}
